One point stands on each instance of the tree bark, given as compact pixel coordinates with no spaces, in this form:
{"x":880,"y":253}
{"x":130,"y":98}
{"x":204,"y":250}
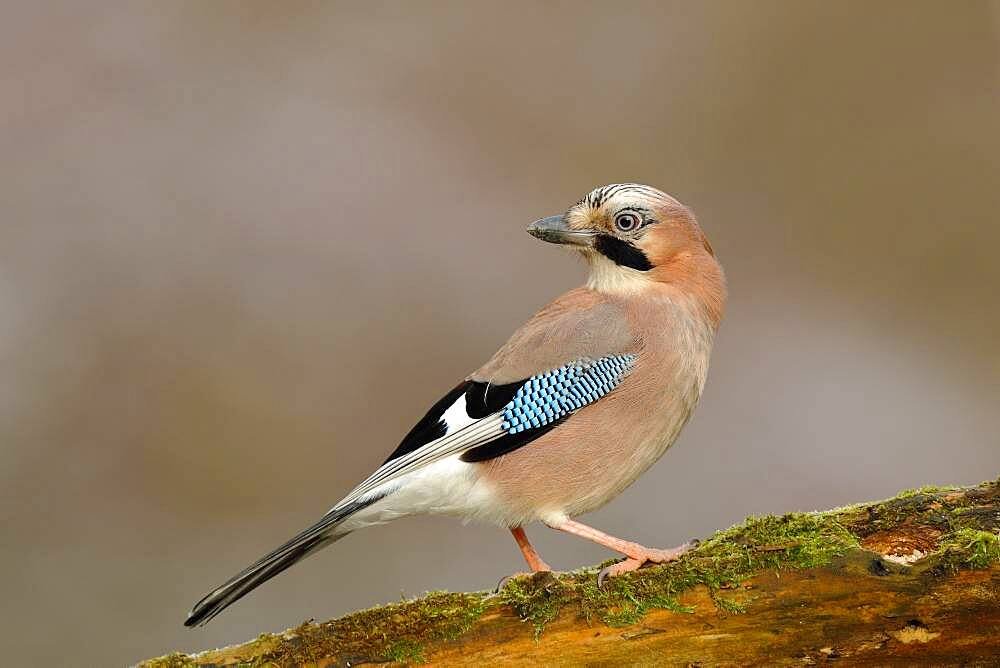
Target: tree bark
{"x":911,"y":580}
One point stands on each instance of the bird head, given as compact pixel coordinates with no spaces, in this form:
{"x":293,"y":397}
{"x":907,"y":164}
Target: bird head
{"x":633,"y":236}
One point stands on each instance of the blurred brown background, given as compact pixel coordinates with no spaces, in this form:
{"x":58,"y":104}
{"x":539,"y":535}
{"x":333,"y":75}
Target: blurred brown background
{"x":245,"y":245}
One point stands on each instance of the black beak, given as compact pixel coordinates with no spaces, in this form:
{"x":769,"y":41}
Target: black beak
{"x":554,"y":230}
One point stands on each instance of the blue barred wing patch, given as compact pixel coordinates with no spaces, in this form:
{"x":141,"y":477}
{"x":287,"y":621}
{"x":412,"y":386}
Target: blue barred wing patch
{"x":550,"y":396}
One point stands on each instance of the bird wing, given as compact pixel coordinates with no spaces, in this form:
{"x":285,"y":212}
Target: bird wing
{"x":569,"y":355}
{"x":573,"y":352}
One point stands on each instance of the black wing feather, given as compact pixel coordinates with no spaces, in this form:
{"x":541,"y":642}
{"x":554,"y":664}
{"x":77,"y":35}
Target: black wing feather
{"x":481,"y":400}
{"x":509,"y":443}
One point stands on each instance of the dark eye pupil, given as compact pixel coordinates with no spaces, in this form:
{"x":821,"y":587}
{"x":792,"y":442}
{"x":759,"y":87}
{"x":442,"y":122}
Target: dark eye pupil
{"x":626,"y":222}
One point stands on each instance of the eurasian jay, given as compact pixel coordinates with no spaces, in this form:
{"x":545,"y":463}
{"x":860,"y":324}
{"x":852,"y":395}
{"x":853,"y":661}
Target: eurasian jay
{"x":581,"y":400}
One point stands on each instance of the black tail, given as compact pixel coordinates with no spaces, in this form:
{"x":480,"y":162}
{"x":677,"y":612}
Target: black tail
{"x":309,"y":541}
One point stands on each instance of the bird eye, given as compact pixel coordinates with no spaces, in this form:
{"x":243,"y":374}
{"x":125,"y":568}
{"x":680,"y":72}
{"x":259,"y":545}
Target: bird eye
{"x":626,"y":222}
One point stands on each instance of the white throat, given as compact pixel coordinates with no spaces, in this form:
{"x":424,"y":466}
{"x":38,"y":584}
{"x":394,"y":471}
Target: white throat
{"x":610,"y":278}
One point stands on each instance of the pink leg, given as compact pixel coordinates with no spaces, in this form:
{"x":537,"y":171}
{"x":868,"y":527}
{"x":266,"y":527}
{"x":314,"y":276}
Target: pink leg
{"x":535,"y":562}
{"x":636,"y":555}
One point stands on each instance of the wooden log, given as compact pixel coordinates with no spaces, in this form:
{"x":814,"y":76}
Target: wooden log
{"x":911,"y":580}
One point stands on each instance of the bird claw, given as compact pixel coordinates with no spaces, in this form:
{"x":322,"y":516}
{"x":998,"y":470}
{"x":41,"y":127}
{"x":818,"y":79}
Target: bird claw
{"x":630,"y":563}
{"x":626,"y":565}
{"x":505,"y":580}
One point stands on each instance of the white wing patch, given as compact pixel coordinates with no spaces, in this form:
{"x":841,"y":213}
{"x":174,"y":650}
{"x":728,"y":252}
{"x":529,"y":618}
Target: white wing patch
{"x":457,"y":415}
{"x":537,"y":405}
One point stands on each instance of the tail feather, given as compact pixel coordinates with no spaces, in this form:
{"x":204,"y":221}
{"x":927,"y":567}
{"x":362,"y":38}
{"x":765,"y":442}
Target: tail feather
{"x":304,"y":544}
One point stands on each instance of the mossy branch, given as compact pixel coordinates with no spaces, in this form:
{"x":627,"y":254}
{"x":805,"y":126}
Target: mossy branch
{"x":915,"y":578}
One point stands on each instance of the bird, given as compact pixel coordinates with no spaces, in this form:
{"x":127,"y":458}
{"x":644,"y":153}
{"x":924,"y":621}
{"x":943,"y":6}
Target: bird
{"x":571,"y":410}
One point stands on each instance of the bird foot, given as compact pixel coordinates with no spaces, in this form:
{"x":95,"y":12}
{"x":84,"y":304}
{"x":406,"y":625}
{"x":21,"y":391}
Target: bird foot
{"x":534,"y":576}
{"x":637,"y":559}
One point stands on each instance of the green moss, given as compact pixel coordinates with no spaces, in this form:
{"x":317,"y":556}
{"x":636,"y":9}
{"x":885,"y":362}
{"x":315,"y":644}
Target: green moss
{"x":621,"y":603}
{"x":174,"y":660}
{"x":394,"y":632}
{"x":926,"y":490}
{"x":798,"y":540}
{"x":941,"y":508}
{"x":966,"y":521}
{"x":405,"y":651}
{"x":536,"y":599}
{"x":970,"y":548}
{"x":730,"y":606}
{"x":982,"y":518}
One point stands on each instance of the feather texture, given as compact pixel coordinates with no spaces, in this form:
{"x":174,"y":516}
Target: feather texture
{"x":538,"y":404}
{"x":580,"y":401}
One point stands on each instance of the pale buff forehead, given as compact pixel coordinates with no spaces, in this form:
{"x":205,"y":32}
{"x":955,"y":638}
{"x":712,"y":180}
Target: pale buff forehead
{"x":618,"y":195}
{"x":610,"y":198}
